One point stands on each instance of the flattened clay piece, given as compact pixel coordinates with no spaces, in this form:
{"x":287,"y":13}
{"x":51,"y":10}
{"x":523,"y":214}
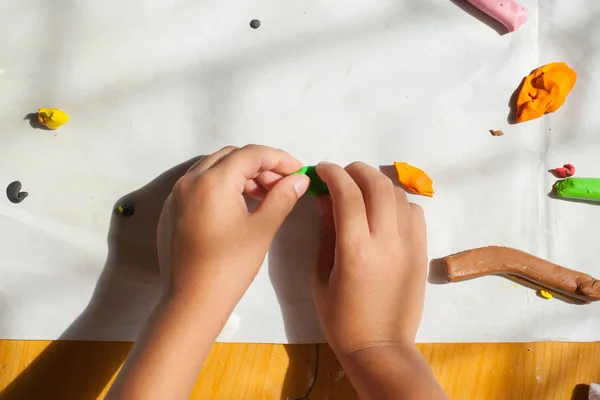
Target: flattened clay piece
{"x":14,"y":194}
{"x":413,"y":179}
{"x":495,"y":132}
{"x":496,"y":260}
{"x":544,"y":90}
{"x":578,"y":188}
{"x":508,"y":12}
{"x":317,"y":187}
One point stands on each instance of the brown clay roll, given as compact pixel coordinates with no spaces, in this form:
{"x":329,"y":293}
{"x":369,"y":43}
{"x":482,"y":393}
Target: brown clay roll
{"x":496,"y":260}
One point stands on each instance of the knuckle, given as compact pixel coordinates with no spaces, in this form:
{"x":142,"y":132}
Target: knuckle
{"x":382,"y":184}
{"x":180,"y":187}
{"x":415,"y":208}
{"x":207,"y":181}
{"x":356,"y":165}
{"x":282,"y":198}
{"x":252,"y":147}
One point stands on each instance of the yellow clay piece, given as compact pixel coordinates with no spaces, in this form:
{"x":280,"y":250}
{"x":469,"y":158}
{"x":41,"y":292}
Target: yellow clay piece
{"x":544,"y":90}
{"x":546,"y":294}
{"x":52,"y":118}
{"x":414,"y":179}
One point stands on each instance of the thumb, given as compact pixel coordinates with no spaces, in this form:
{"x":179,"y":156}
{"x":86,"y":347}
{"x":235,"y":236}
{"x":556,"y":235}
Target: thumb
{"x":279,"y":202}
{"x":326,"y":244}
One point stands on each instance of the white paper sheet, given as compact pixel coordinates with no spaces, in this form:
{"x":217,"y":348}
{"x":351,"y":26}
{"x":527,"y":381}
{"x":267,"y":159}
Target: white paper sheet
{"x":149,"y":85}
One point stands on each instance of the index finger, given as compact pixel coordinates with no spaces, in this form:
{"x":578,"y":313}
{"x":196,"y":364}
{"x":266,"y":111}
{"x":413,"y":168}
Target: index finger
{"x":349,"y":211}
{"x":249,"y":161}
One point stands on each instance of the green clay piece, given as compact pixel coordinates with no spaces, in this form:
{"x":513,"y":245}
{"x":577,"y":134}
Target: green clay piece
{"x":317,"y":187}
{"x":579,"y":188}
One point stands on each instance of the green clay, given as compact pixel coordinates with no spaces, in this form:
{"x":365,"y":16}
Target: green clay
{"x":317,"y":187}
{"x":579,"y":188}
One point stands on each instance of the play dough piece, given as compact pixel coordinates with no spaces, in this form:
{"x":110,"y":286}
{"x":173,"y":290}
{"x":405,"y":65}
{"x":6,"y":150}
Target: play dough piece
{"x":414,"y":179}
{"x":496,"y":260}
{"x":508,"y":12}
{"x":565,"y":171}
{"x":52,"y":118}
{"x":544,"y":90}
{"x":317,"y":187}
{"x":14,"y":194}
{"x":579,"y":188}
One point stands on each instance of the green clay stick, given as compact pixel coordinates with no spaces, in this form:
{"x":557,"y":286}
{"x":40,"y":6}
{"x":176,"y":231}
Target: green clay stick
{"x":317,"y":187}
{"x":579,"y":188}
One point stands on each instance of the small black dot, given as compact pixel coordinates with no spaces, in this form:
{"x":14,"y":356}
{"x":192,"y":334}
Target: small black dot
{"x":255,"y":24}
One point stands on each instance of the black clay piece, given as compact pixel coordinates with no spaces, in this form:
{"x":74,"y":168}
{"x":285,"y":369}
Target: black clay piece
{"x":14,"y":194}
{"x":255,"y":24}
{"x":126,"y":210}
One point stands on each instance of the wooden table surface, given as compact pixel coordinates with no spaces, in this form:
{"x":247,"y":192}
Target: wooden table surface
{"x":84,"y":370}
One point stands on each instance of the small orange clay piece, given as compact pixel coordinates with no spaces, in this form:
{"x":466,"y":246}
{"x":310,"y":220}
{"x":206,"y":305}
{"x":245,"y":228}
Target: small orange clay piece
{"x":544,"y":90}
{"x":414,"y":179}
{"x":495,"y":132}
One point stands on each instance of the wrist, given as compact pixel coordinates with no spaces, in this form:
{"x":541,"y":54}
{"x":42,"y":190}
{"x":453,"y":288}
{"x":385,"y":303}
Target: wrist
{"x":204,"y":314}
{"x":391,"y":371}
{"x":378,"y":351}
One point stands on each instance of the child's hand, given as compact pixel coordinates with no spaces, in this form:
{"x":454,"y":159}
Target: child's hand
{"x":210,"y":246}
{"x":369,"y":280}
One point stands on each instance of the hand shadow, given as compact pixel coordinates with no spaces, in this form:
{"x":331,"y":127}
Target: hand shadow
{"x":291,"y":257}
{"x":313,"y":370}
{"x":125,"y":294}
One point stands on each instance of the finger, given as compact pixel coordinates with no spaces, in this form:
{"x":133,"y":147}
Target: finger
{"x":278,"y":203}
{"x":254,"y":189}
{"x":349,"y":211}
{"x":380,"y":199}
{"x":268,"y":179}
{"x":403,"y":212}
{"x":326,"y":246}
{"x":208,"y":161}
{"x":259,"y":187}
{"x":247,"y":162}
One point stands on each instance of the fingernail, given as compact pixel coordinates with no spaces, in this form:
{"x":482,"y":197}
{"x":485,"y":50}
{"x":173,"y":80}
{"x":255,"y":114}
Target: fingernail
{"x":324,"y":163}
{"x":301,"y":184}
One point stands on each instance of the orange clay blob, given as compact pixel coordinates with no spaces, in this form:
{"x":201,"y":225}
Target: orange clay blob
{"x":544,"y":90}
{"x":414,"y":179}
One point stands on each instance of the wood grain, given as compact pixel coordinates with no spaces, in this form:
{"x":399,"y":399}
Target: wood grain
{"x":84,"y":370}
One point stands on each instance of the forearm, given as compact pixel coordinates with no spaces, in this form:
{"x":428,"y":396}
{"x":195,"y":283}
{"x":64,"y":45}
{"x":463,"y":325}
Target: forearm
{"x":395,"y":372}
{"x":169,"y":353}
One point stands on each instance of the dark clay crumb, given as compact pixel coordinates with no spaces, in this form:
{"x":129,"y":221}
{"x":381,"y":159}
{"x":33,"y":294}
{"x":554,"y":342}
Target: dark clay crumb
{"x":255,"y":24}
{"x":14,"y":194}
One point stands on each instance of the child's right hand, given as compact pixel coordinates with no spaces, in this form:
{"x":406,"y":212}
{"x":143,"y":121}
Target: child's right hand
{"x":369,"y":279}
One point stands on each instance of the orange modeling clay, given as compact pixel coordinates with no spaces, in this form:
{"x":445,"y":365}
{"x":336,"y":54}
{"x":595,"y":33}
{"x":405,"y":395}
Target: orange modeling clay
{"x":414,"y":179}
{"x":544,"y":90}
